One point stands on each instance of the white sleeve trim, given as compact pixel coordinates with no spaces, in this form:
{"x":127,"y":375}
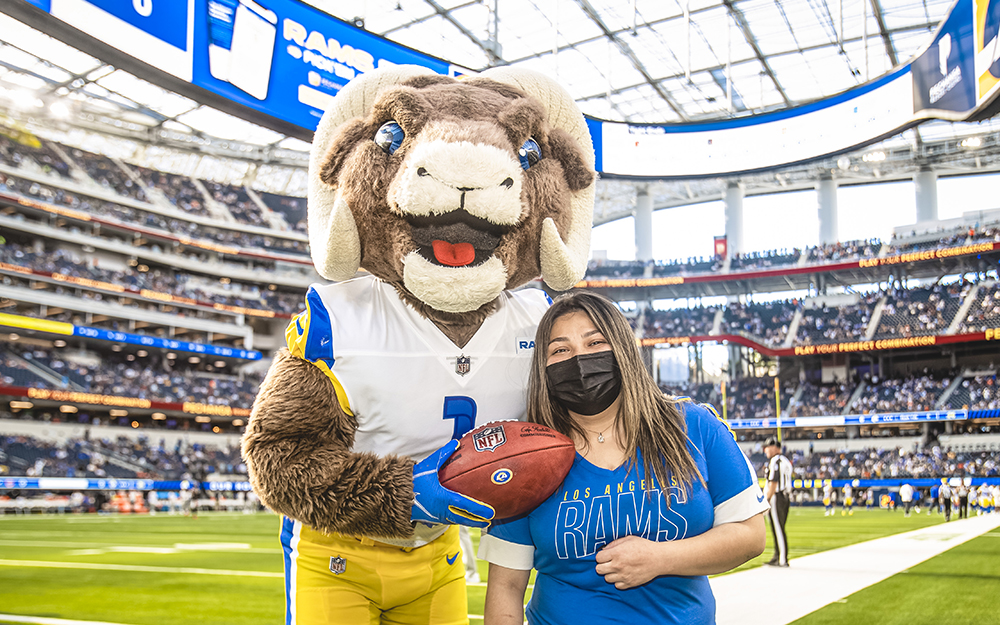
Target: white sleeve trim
{"x":741,"y":506}
{"x":507,"y":554}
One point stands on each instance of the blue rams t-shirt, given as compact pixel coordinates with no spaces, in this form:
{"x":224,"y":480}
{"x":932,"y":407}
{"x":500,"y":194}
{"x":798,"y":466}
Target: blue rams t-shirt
{"x":595,"y":506}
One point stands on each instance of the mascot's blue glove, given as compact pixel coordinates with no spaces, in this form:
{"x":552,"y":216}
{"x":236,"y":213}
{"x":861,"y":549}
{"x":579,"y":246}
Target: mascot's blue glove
{"x":433,"y":503}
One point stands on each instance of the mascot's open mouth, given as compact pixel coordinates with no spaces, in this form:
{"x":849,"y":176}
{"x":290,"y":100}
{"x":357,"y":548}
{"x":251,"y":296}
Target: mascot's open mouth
{"x":456,"y":239}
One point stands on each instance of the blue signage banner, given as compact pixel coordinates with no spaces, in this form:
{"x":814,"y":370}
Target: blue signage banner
{"x":155,"y":341}
{"x":167,"y":21}
{"x":944,"y":74}
{"x":80,"y":483}
{"x":280,"y":57}
{"x":285,"y":58}
{"x":889,"y":418}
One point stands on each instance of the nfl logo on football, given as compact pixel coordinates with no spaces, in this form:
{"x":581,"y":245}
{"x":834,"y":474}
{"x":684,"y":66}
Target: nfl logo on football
{"x":463,"y":364}
{"x":489,"y":439}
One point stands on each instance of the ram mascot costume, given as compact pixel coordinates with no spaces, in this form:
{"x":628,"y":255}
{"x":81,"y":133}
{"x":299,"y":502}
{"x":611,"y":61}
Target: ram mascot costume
{"x":449,"y":194}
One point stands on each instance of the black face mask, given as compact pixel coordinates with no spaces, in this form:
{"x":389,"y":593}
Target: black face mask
{"x":586,"y":384}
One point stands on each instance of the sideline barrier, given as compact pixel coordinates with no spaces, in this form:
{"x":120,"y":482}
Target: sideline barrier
{"x":74,"y":483}
{"x":889,"y":418}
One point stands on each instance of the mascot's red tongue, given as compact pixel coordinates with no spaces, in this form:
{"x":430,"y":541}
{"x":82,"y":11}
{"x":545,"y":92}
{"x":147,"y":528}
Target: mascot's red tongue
{"x":457,"y":255}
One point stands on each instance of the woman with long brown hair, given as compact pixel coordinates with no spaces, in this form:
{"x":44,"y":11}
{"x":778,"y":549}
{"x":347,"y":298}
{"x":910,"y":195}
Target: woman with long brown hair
{"x":659,"y":496}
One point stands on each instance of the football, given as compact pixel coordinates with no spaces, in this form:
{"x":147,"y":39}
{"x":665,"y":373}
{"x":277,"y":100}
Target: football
{"x":511,"y":465}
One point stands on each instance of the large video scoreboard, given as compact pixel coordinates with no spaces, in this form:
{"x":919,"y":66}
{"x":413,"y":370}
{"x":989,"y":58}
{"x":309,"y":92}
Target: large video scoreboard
{"x":283,"y":60}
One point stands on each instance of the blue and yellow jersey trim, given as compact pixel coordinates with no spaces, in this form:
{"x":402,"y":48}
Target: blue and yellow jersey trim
{"x":309,"y":336}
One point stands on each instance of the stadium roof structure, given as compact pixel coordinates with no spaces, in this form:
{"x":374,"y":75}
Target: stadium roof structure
{"x":638,"y":61}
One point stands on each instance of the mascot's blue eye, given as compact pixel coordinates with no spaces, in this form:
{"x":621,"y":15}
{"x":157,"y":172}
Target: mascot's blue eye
{"x":389,"y":137}
{"x":529,"y":154}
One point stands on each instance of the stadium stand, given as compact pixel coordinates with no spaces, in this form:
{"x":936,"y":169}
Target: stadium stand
{"x":118,"y":457}
{"x":142,"y":374}
{"x":42,"y":259}
{"x":922,"y":311}
{"x":891,"y":462}
{"x":680,"y":321}
{"x":178,"y":190}
{"x":768,"y":321}
{"x":833,"y":324}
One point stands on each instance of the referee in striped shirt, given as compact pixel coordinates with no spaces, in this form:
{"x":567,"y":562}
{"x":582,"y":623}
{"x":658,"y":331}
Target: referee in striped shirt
{"x":778,"y":492}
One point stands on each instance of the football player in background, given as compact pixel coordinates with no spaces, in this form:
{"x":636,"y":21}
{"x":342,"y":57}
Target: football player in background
{"x":848,"y":504}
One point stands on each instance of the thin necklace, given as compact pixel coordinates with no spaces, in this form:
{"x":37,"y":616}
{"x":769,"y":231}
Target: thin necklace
{"x":600,"y":435}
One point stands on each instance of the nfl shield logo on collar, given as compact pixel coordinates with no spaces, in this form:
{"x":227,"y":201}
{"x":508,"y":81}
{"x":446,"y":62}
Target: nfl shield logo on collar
{"x":463,"y":364}
{"x":338,"y":565}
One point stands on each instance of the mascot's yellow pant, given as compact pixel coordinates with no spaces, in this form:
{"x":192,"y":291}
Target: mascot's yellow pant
{"x":340,"y":579}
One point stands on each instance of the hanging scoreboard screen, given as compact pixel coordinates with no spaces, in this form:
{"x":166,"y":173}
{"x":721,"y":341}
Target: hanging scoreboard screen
{"x":286,"y":60}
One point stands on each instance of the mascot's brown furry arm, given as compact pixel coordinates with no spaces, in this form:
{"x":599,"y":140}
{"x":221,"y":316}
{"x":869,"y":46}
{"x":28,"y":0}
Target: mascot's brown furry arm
{"x":450,"y":194}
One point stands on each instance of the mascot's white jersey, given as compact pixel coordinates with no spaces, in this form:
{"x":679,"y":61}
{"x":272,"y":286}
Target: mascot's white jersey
{"x":409,"y":387}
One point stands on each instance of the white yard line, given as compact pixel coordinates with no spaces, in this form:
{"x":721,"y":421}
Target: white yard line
{"x":44,"y":564}
{"x":776,"y":596}
{"x":108,"y":546}
{"x":43,"y":620}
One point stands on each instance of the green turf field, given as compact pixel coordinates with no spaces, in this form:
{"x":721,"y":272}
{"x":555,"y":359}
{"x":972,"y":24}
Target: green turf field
{"x":960,"y":586}
{"x":227,"y":568}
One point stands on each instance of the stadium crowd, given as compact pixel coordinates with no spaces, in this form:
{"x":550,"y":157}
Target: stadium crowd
{"x":41,"y":257}
{"x":120,"y":457}
{"x":143,"y":375}
{"x":170,"y":226}
{"x":893,"y":462}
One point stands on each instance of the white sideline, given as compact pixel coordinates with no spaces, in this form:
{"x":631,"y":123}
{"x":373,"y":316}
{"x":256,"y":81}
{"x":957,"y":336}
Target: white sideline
{"x":777,"y":596}
{"x":43,"y":620}
{"x":46,"y":564}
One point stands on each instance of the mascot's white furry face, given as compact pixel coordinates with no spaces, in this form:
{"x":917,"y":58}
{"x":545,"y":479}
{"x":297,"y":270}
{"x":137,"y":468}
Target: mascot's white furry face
{"x":452,"y":190}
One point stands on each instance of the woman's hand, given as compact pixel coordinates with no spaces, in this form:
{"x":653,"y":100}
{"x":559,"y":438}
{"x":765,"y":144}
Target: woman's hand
{"x":630,"y":561}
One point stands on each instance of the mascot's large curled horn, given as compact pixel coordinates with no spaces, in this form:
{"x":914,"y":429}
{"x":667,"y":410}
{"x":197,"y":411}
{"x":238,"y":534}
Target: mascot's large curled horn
{"x":563,"y":236}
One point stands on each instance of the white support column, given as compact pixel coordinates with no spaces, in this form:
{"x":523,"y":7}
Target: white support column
{"x":734,"y":218}
{"x":826,"y":196}
{"x":925,"y":185}
{"x":643,"y":225}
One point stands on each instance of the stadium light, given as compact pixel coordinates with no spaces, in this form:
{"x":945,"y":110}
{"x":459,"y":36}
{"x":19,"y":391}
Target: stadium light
{"x":159,"y":416}
{"x":21,"y":405}
{"x":202,"y":419}
{"x":971,"y":142}
{"x":237,"y":422}
{"x":59,"y":110}
{"x":68,"y":409}
{"x":118,"y":413}
{"x":874,"y":157}
{"x":58,"y":343}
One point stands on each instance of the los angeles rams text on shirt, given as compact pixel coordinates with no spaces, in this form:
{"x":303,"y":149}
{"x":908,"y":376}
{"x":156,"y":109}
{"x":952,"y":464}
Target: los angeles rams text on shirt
{"x":587,"y":521}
